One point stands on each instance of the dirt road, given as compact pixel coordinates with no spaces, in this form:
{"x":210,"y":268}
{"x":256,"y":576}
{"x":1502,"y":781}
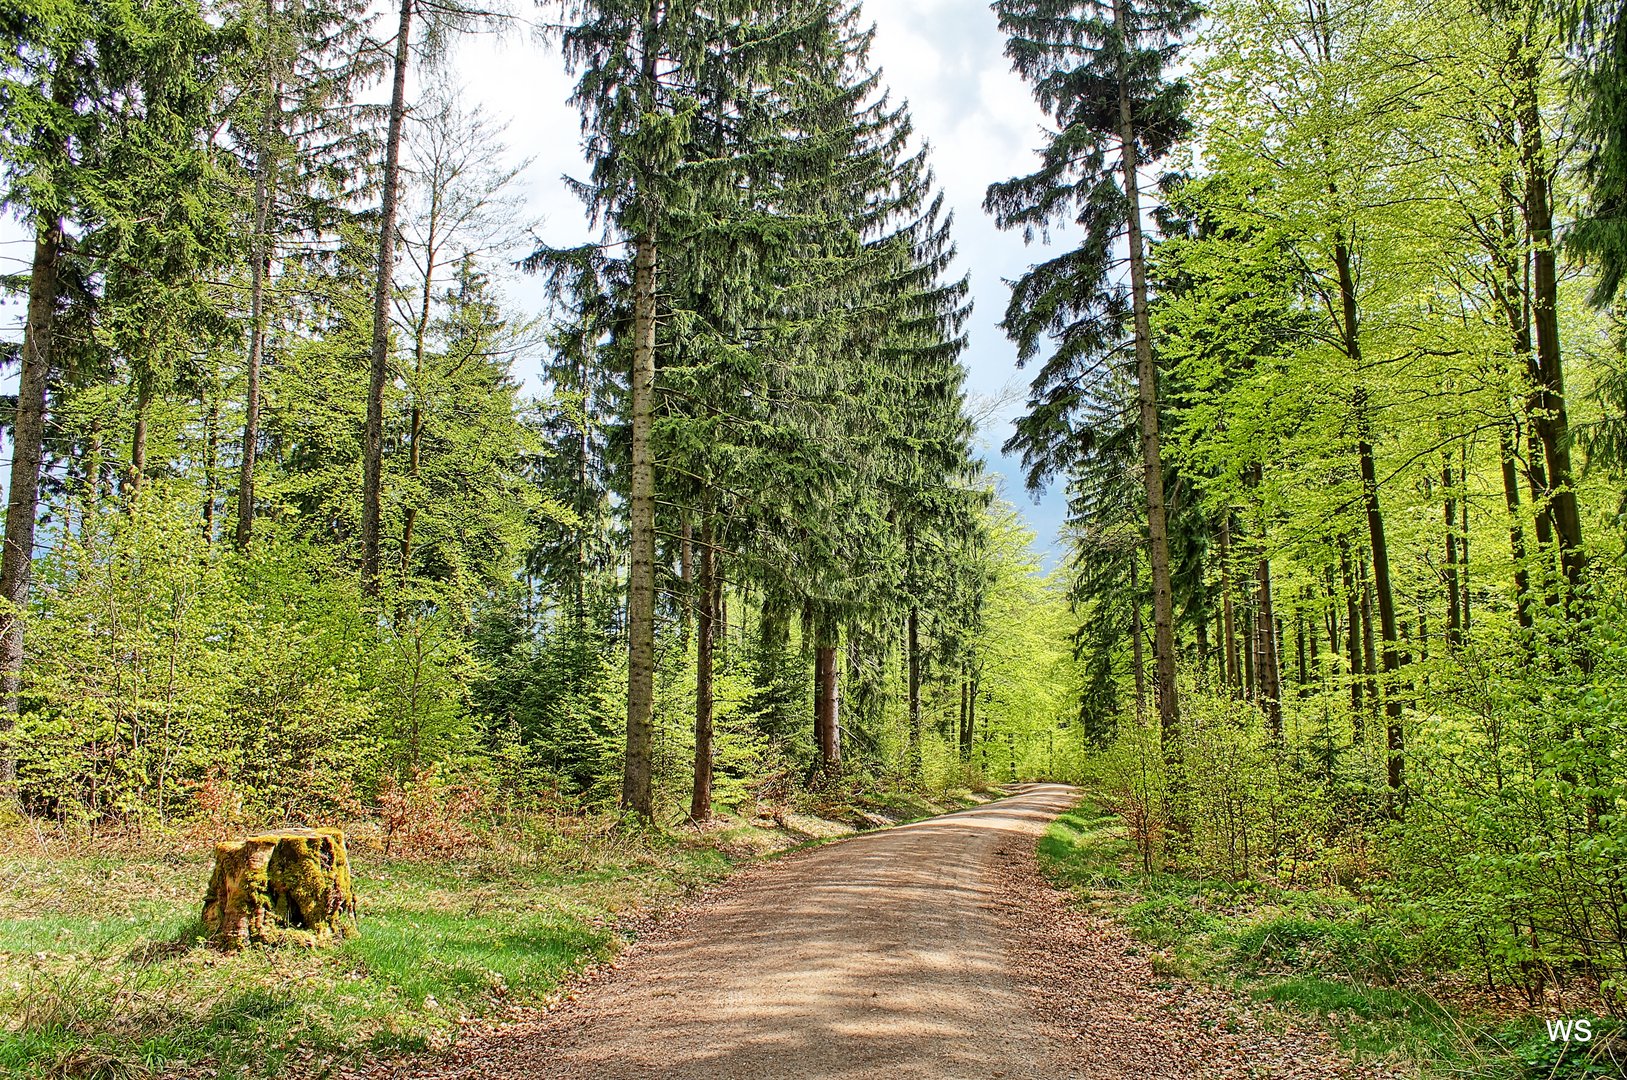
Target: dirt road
{"x":926,"y":950}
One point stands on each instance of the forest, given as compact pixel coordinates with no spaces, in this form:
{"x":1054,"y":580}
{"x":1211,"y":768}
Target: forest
{"x":1324,"y":340}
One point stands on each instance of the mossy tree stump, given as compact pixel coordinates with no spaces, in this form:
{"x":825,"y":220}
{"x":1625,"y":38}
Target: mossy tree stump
{"x":276,"y":885}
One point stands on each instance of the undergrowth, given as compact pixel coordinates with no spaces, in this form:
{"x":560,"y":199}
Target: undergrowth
{"x":1317,"y":953}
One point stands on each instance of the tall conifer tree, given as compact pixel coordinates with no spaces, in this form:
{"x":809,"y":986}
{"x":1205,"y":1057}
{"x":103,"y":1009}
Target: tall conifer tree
{"x":1099,"y":69}
{"x":649,"y":76}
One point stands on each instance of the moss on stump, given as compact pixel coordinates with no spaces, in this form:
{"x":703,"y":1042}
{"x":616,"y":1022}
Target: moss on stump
{"x":293,"y":883}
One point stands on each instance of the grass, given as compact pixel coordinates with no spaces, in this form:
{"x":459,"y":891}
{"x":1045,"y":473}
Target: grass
{"x":103,"y":972}
{"x":1315,"y":954}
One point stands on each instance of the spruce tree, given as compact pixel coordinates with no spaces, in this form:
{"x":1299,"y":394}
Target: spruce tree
{"x":103,"y":131}
{"x":1598,"y":33}
{"x":650,"y":77}
{"x":1099,"y":70}
{"x":301,"y":137}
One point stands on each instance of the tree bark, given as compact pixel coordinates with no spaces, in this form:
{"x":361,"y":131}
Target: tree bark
{"x":1299,"y":650}
{"x":1249,"y":656}
{"x":420,"y":348}
{"x":1233,"y":675}
{"x":1369,"y":652}
{"x":138,"y":438}
{"x":1163,"y":603}
{"x":378,"y":361}
{"x":1353,"y":644}
{"x":1200,"y":630}
{"x":1516,"y":531}
{"x":964,"y":733}
{"x":686,"y":578}
{"x":1463,"y":533}
{"x":23,"y":488}
{"x":971,"y":716}
{"x":1316,"y":660}
{"x":1137,"y":650}
{"x":827,"y":711}
{"x":637,"y":792}
{"x":211,"y":458}
{"x":700,"y":801}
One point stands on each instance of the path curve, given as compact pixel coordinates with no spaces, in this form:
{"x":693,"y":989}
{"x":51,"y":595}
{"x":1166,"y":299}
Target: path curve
{"x":879,"y":956}
{"x":930,"y":950}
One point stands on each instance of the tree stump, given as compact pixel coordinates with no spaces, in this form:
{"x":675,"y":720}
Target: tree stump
{"x":293,"y":883}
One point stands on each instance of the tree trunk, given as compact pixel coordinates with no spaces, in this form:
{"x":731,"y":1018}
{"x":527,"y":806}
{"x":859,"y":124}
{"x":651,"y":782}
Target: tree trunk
{"x":1163,"y":604}
{"x":1353,"y":644}
{"x":138,"y":438}
{"x":1233,"y":674}
{"x":23,"y":488}
{"x":420,"y":347}
{"x":914,"y":644}
{"x":964,"y":741}
{"x":211,"y":458}
{"x":1299,"y":648}
{"x":290,"y":883}
{"x":1463,"y":533}
{"x":971,"y":716}
{"x":1249,"y":656}
{"x":686,"y":578}
{"x":1454,"y":625}
{"x":700,"y":801}
{"x":637,"y":792}
{"x":259,"y":268}
{"x":1548,"y":415}
{"x":720,"y":625}
{"x":1316,"y":661}
{"x":1137,"y":652}
{"x":1200,"y":630}
{"x":1375,"y":517}
{"x":827,"y":711}
{"x":378,"y":363}
{"x":583,"y":445}
{"x":1369,"y":652}
{"x":1516,"y":531}
{"x":1267,"y":665}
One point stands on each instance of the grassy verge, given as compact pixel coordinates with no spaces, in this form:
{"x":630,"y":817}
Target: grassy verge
{"x":103,"y":974}
{"x":1317,"y":954}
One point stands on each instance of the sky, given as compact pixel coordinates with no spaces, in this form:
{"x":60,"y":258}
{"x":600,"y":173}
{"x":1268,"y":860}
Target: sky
{"x":941,"y":56}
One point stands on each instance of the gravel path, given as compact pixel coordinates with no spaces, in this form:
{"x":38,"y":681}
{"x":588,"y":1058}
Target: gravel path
{"x":927,"y":950}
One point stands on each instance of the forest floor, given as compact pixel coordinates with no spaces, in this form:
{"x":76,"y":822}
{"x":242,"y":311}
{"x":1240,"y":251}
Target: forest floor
{"x":104,"y":973}
{"x":933,"y":950}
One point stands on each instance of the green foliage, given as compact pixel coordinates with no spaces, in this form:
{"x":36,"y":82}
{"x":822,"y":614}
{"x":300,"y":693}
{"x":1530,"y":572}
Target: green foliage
{"x":173,"y":671}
